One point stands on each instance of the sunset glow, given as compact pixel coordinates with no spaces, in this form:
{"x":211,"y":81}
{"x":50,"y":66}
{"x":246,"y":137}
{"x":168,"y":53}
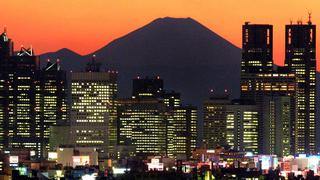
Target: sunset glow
{"x":49,"y":25}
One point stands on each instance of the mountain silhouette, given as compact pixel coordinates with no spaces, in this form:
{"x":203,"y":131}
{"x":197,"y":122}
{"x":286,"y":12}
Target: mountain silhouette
{"x":188,"y":56}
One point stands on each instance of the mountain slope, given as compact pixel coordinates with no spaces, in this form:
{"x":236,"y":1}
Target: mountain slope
{"x":188,"y":56}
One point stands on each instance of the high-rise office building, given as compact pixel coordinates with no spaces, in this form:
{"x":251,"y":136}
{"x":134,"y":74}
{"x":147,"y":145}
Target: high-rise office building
{"x":93,"y":112}
{"x":153,"y":113}
{"x":31,"y":99}
{"x":181,"y":131}
{"x":277,"y":125}
{"x":6,"y":46}
{"x":300,"y":45}
{"x":242,"y":126}
{"x":142,"y":123}
{"x":259,"y":82}
{"x":20,"y":98}
{"x":256,"y":48}
{"x":215,"y":124}
{"x":53,"y":103}
{"x":260,"y":87}
{"x":231,"y":124}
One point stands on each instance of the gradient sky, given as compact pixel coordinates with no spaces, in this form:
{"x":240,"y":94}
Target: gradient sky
{"x":86,"y":25}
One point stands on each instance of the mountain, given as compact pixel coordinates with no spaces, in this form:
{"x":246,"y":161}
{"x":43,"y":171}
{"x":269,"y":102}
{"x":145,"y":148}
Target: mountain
{"x":69,"y":59}
{"x":188,"y":56}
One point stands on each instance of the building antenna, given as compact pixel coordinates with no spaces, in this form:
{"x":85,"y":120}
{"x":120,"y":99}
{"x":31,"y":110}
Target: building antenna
{"x":309,"y":22}
{"x":5,"y":29}
{"x":31,"y":50}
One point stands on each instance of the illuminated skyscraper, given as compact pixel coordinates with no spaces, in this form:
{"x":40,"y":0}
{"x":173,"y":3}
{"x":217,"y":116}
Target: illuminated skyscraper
{"x":20,"y":97}
{"x":262,"y":88}
{"x":31,"y":99}
{"x":277,"y":137}
{"x":142,"y":123}
{"x":53,"y":100}
{"x":256,"y":48}
{"x":181,"y":131}
{"x":300,"y":44}
{"x":231,"y":124}
{"x":242,"y":126}
{"x":93,"y":112}
{"x":261,"y":84}
{"x":153,"y":113}
{"x":215,"y":121}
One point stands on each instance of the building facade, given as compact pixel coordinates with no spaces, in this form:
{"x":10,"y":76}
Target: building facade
{"x":143,"y":124}
{"x":242,"y":126}
{"x":93,"y":112}
{"x":262,"y":88}
{"x":155,"y":122}
{"x":215,"y":121}
{"x":32,"y":99}
{"x":181,"y":132}
{"x":300,"y":58}
{"x":257,"y":44}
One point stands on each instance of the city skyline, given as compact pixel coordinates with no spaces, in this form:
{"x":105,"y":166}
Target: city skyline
{"x":178,"y":96}
{"x":88,"y":27}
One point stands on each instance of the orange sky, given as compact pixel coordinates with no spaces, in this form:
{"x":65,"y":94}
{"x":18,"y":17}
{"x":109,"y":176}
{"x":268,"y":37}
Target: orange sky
{"x":86,"y":25}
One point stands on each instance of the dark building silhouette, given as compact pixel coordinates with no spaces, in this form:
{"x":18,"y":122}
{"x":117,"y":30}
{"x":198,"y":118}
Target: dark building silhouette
{"x":53,"y":104}
{"x":31,"y":100}
{"x":256,"y":48}
{"x":6,"y":46}
{"x":300,"y":58}
{"x":147,"y":87}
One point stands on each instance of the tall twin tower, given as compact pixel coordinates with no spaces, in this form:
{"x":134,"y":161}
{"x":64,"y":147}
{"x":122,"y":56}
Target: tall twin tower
{"x":269,"y":86}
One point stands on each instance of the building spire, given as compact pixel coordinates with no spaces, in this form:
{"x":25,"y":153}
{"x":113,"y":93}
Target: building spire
{"x":309,"y":21}
{"x":5,"y":29}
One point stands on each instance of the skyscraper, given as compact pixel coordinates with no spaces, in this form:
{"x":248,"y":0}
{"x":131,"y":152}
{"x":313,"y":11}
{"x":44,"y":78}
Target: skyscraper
{"x":53,"y":103}
{"x":31,"y":99}
{"x":181,"y":131}
{"x":6,"y":46}
{"x":142,"y":123}
{"x":20,"y":98}
{"x":300,"y":58}
{"x":155,"y":122}
{"x":231,"y":124}
{"x":93,"y":112}
{"x":261,"y":83}
{"x":242,"y":126}
{"x":277,"y":137}
{"x":262,"y":88}
{"x":256,"y":48}
{"x":215,"y":121}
